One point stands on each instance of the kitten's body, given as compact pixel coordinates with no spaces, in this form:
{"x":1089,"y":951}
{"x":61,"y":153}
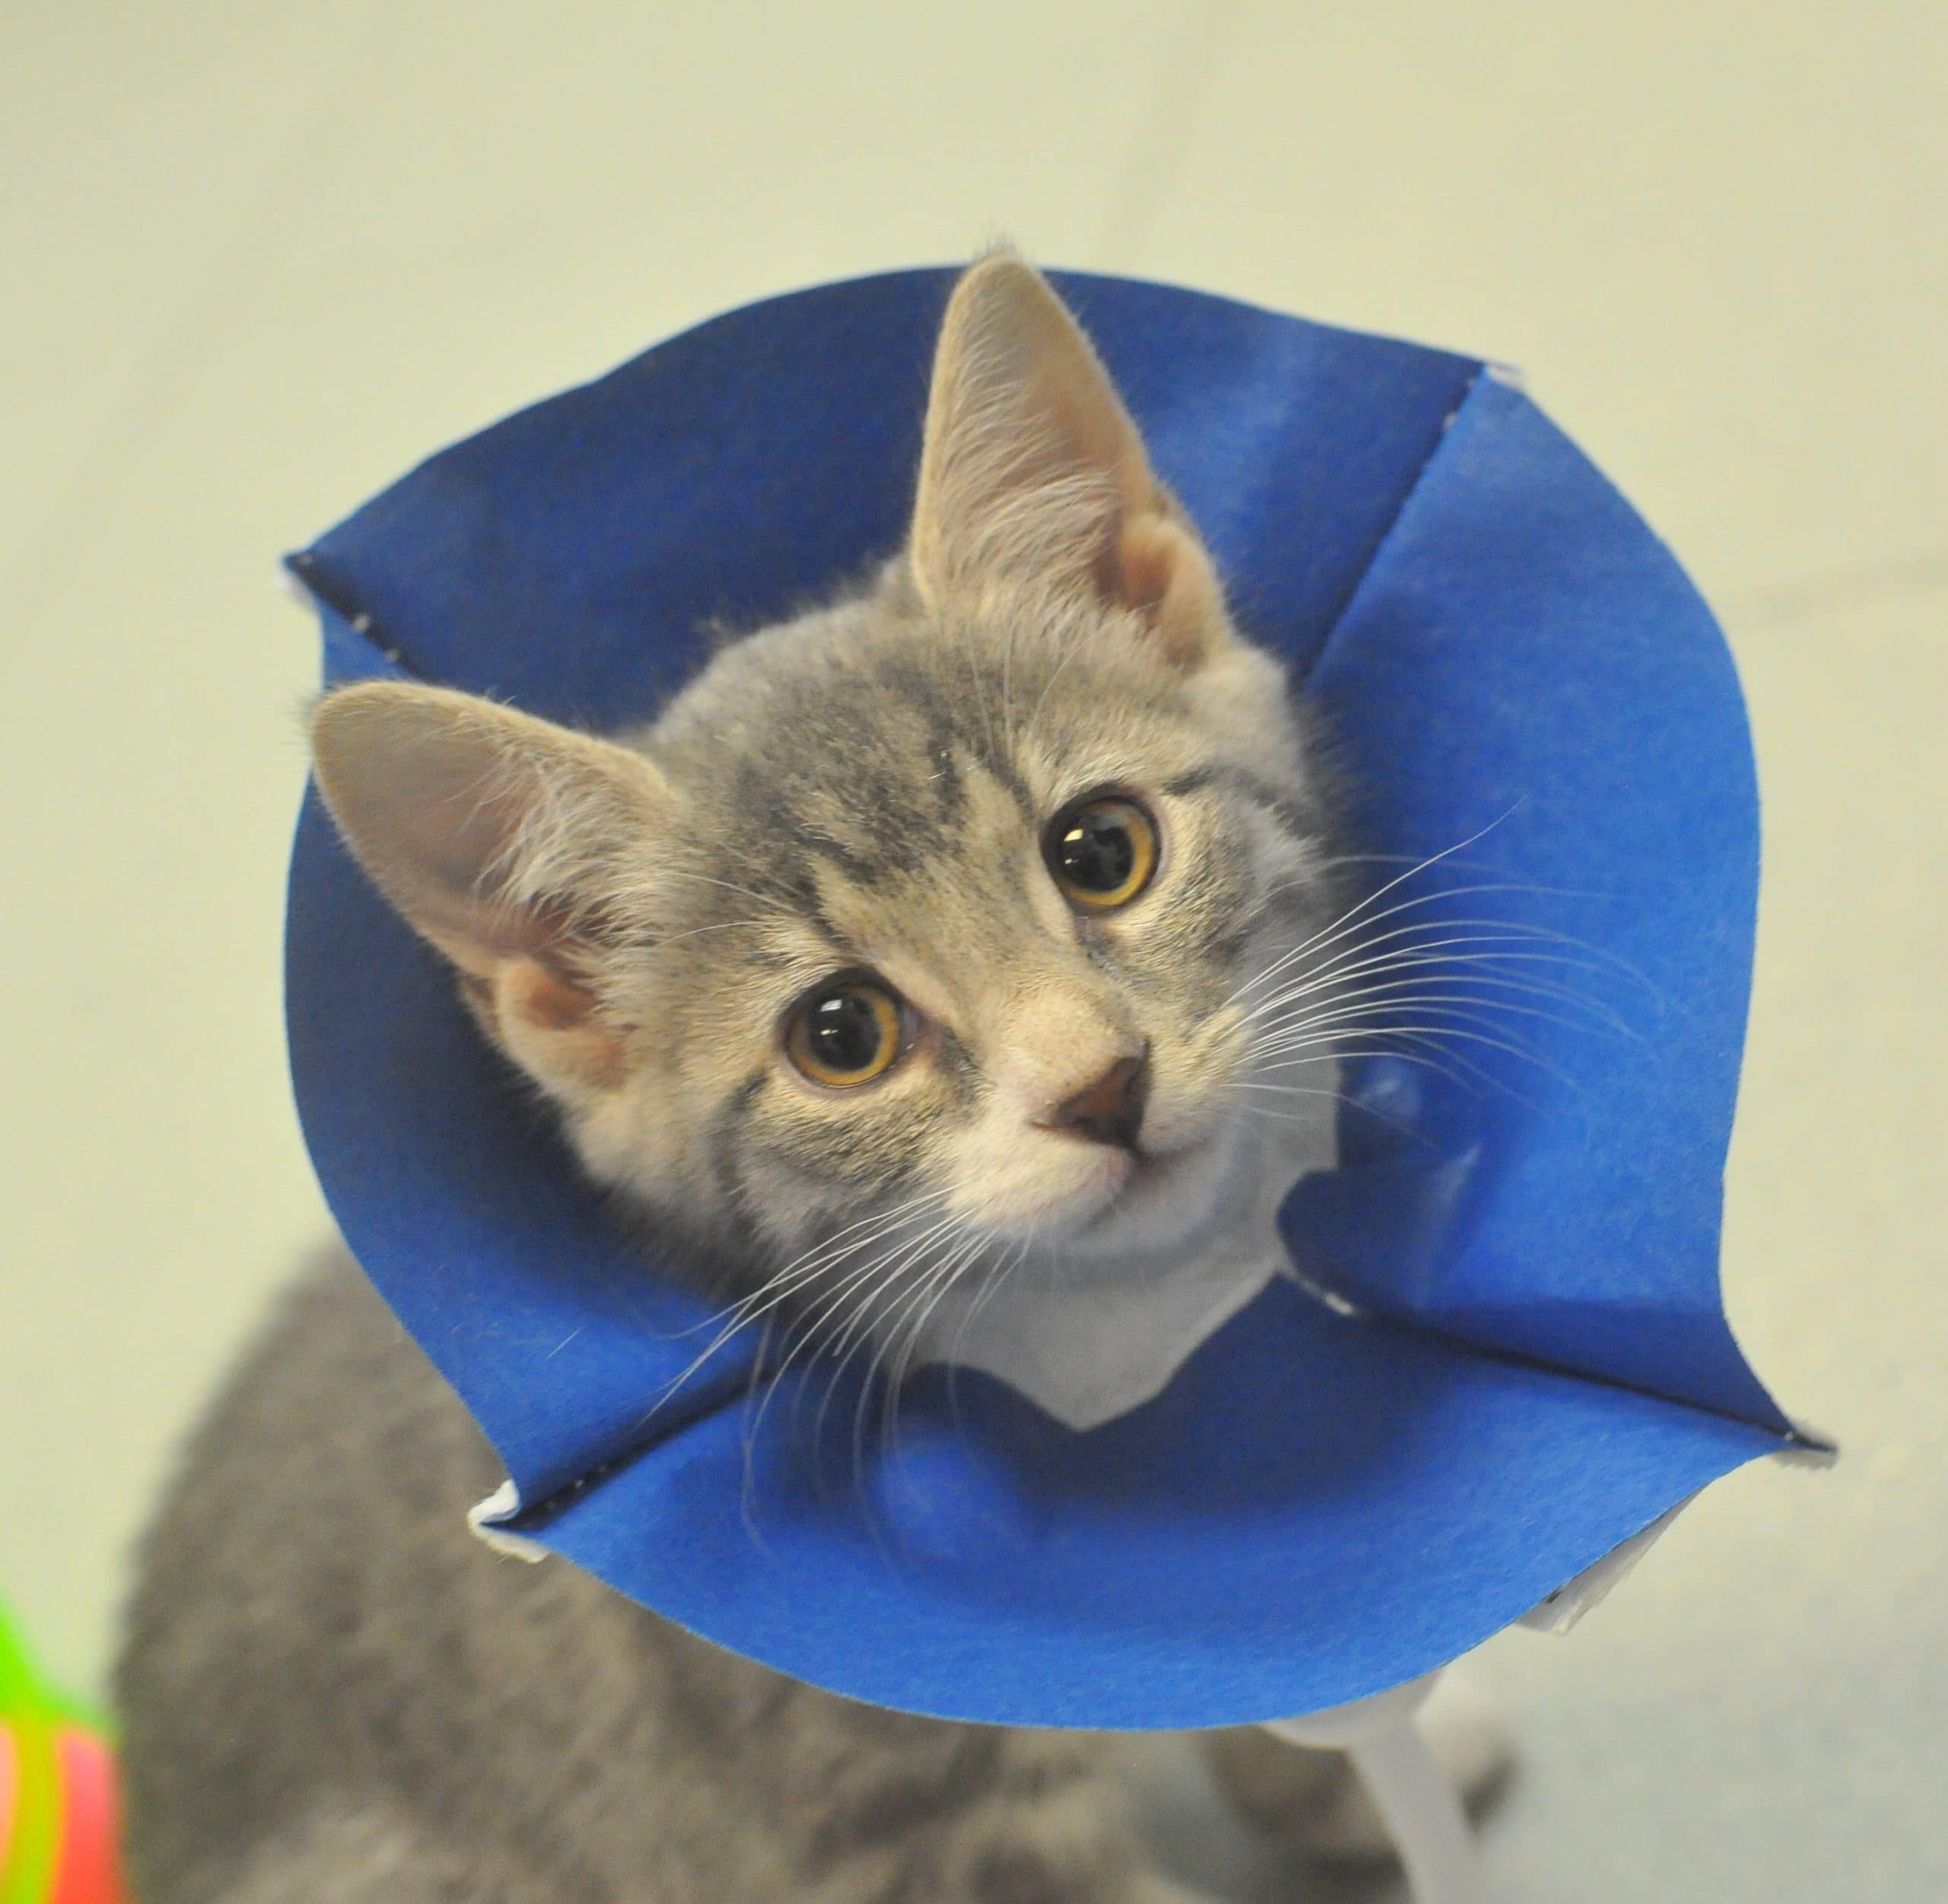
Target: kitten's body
{"x":332,"y":1692}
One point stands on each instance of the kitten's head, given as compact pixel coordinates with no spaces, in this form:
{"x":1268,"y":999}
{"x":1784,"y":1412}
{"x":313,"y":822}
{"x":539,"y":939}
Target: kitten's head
{"x":943,"y":901}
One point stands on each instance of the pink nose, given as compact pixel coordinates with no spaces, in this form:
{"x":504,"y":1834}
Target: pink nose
{"x":1110,"y":1110}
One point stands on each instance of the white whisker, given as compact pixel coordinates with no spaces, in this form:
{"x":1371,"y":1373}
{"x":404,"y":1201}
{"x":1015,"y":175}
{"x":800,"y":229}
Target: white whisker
{"x":1369,"y":958}
{"x":767,"y":1298}
{"x":881,"y":1273}
{"x":1416,"y":996}
{"x":1360,"y":906}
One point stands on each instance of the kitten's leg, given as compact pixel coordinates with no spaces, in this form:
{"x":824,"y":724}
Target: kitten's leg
{"x":1058,"y":1830}
{"x":980,"y":1815}
{"x":371,"y":1854}
{"x":1314,"y":1796}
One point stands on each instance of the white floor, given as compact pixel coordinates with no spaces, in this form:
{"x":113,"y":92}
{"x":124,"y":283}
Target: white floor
{"x":258,"y":258}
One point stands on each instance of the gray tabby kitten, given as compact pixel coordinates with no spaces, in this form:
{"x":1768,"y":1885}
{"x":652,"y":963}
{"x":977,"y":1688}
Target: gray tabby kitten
{"x":929,"y":920}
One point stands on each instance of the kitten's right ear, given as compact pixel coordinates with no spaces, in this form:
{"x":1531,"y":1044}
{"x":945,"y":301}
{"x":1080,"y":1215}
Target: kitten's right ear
{"x":501,"y":839}
{"x":1030,"y":466}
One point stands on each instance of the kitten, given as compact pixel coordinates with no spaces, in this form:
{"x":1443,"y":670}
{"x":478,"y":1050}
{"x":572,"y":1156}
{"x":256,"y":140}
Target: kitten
{"x":930,"y":918}
{"x":939,"y":906}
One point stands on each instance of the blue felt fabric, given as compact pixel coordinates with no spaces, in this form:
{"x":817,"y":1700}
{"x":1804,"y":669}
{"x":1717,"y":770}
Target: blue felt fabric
{"x":1524,"y":661}
{"x":1317,"y":1507}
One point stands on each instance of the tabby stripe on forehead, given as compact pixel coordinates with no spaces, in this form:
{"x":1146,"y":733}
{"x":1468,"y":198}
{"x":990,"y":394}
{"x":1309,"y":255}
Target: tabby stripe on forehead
{"x":1003,"y":771}
{"x":944,"y":738}
{"x":1195,"y":782}
{"x":950,"y":726}
{"x":815,"y":917}
{"x":861,"y":868}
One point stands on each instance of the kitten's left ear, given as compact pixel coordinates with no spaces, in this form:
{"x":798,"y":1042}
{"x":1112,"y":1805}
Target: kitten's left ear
{"x":1033,"y":471}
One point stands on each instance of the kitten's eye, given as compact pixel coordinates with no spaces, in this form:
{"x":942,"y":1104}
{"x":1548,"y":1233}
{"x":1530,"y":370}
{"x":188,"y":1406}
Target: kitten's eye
{"x":846,"y":1033}
{"x":1102,"y":852}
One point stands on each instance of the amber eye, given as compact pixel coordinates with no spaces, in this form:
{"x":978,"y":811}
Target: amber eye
{"x":1102,"y":852}
{"x":847,"y":1033}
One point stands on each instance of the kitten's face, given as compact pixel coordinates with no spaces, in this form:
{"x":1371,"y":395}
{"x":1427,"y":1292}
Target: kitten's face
{"x":937,"y":907}
{"x":990,"y":889}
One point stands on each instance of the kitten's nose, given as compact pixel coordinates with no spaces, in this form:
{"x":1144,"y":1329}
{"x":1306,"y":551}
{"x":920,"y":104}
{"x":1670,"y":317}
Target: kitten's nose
{"x":1110,"y":1111}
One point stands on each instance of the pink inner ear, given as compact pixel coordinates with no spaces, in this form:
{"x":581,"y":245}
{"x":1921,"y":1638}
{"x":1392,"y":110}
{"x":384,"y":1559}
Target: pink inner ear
{"x":452,"y":856}
{"x":552,"y":1026}
{"x":435,"y":792}
{"x":554,"y":1003}
{"x":1166,"y":575}
{"x":1149,"y":563}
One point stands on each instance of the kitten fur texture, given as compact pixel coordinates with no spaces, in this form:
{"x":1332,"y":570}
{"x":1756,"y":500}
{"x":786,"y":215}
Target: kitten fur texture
{"x":330,"y":1692}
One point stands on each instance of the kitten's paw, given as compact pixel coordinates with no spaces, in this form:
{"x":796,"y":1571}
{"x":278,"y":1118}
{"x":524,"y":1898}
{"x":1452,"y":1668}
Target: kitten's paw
{"x":1152,"y":1889}
{"x":1315,"y":1798}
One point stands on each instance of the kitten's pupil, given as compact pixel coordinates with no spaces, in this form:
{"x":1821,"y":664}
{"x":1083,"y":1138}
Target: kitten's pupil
{"x":1103,"y":852}
{"x":843,"y":1031}
{"x":1097,"y":852}
{"x":847,"y":1033}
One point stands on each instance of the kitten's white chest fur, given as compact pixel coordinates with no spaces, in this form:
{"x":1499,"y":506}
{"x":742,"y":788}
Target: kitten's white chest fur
{"x":1088,"y":1338}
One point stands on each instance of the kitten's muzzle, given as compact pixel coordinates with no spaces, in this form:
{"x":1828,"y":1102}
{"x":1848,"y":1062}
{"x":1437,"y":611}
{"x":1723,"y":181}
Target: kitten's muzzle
{"x":1110,"y":1109}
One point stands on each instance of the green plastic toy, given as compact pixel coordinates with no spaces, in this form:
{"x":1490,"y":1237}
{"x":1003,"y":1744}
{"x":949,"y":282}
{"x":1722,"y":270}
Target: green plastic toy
{"x":57,"y":1797}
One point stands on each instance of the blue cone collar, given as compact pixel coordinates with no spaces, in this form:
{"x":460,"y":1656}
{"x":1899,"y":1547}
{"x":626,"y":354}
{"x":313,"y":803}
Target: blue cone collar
{"x":1527,"y":1361}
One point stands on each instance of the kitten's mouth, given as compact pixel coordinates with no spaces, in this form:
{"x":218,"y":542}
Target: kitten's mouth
{"x":1125,"y":1207}
{"x":1155,"y":1183}
{"x":1150,"y":1169}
